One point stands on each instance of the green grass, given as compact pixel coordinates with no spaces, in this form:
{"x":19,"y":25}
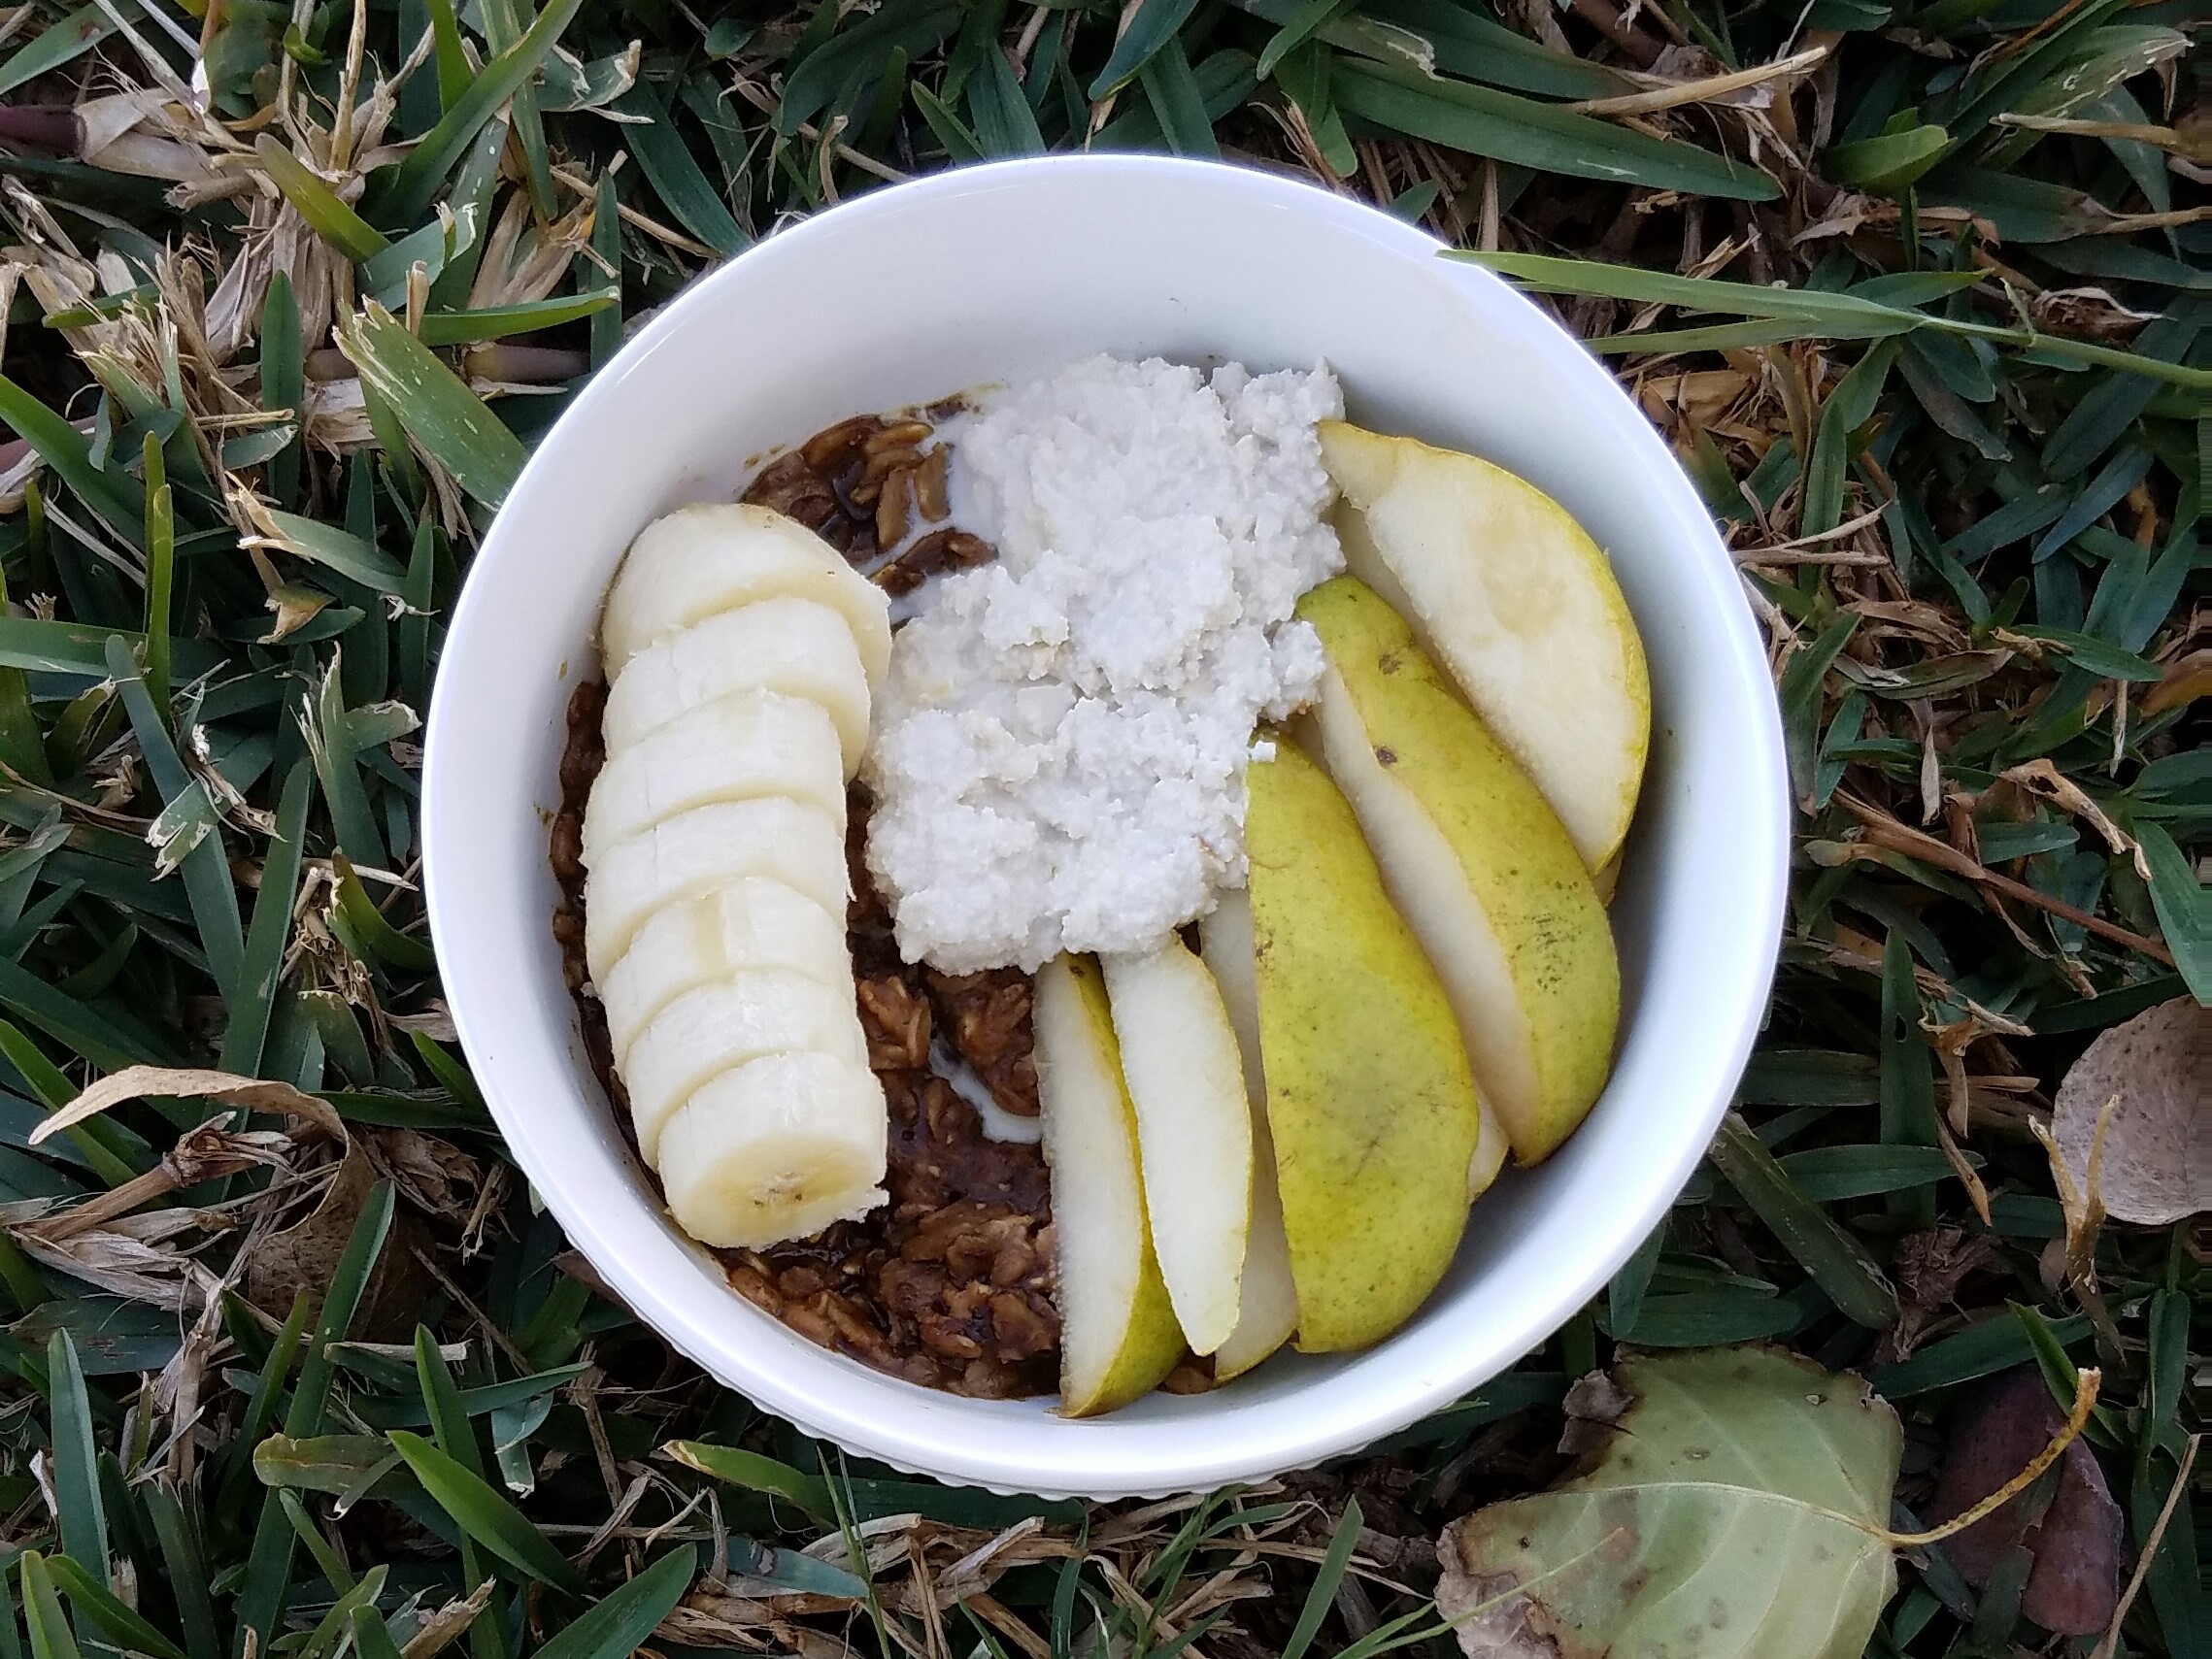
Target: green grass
{"x":1921,"y":317}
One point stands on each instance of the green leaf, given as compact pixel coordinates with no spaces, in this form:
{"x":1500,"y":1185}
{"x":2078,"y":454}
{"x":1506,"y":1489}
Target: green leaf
{"x":62,"y":41}
{"x":676,"y":178}
{"x":262,"y":962}
{"x":1310,"y":16}
{"x":497,"y":323}
{"x":1887,"y":163}
{"x":618,"y":1625}
{"x":439,"y":412}
{"x":485,"y":1515}
{"x":1005,"y":124}
{"x":42,"y":1611}
{"x":1321,"y":1594}
{"x":116,"y":497}
{"x":77,"y":1502}
{"x":1178,"y":104}
{"x":316,"y":203}
{"x":2184,"y":911}
{"x":1152,"y":25}
{"x":1827,"y":1174}
{"x":121,"y":1624}
{"x":1835,"y":1260}
{"x":403,"y":196}
{"x":1790,"y":1464}
{"x":1485,"y":122}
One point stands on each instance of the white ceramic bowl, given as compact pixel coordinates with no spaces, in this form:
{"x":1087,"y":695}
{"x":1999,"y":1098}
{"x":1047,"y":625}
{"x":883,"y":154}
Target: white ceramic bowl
{"x":995,"y":273}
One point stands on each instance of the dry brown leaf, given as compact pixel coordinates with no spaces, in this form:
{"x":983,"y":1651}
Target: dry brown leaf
{"x":2155,"y":1163}
{"x":187,"y":1083}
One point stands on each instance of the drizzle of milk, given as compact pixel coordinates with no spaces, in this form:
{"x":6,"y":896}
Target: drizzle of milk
{"x":998,"y":1124}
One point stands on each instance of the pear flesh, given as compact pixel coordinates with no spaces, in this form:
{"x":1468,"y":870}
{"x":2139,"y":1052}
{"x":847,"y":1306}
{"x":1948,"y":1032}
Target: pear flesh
{"x":1267,"y":1311}
{"x":1370,"y":1099}
{"x":1516,"y":601}
{"x":1479,"y":865}
{"x":1119,"y":1335}
{"x":1186,"y":1079}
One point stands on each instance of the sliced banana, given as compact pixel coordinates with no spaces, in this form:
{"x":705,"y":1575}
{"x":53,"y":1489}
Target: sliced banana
{"x":696,"y":852}
{"x":751,"y":924}
{"x":719,"y":1027}
{"x":798,"y":647}
{"x":776,"y":1149}
{"x":736,"y":749}
{"x":705,"y":559}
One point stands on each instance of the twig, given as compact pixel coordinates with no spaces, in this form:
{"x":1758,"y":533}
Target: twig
{"x":1703,"y":91}
{"x":2111,"y":1640}
{"x":1881,"y":830}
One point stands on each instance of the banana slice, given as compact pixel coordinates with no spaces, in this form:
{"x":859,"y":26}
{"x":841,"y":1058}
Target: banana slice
{"x":751,"y":924}
{"x":696,"y":852}
{"x":740,"y":748}
{"x":776,"y":1149}
{"x":796,"y":647}
{"x":702,"y":560}
{"x":719,"y":1027}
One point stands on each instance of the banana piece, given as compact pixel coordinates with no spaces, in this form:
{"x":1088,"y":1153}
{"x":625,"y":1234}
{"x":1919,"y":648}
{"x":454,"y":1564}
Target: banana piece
{"x":722,"y":1026}
{"x":754,"y":923}
{"x":737,"y":748}
{"x":798,"y":647}
{"x":704,"y":848}
{"x":776,"y":1149}
{"x":702,"y":560}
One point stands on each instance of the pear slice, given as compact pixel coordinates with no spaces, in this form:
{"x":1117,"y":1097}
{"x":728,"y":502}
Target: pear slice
{"x":798,"y":647}
{"x":723,"y":1025}
{"x":1369,"y":1096}
{"x":1518,"y":604}
{"x":1478,"y":864}
{"x":1119,"y":1336}
{"x":704,"y":559}
{"x":753,"y":923}
{"x":756,"y":742}
{"x":1185,"y":1080}
{"x":776,"y":1149}
{"x":1267,"y":1311}
{"x":707,"y":848}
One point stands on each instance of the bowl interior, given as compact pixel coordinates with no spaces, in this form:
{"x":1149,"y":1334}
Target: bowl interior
{"x":1003,"y":271}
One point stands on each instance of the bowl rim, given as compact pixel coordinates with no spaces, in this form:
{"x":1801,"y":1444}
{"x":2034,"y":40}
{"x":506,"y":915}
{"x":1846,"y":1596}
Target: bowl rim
{"x":922,"y":1447}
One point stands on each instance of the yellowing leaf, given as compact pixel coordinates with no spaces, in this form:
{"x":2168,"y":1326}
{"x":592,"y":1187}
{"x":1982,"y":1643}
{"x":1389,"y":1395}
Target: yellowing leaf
{"x":1734,"y":1508}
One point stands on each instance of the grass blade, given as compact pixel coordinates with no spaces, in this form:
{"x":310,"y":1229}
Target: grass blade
{"x":438,"y":409}
{"x":1834,"y":1260}
{"x":78,"y":1506}
{"x":485,"y":1515}
{"x":1485,"y":122}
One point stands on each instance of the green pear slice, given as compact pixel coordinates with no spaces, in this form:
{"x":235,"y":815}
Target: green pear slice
{"x":702,"y":560}
{"x":1267,"y":1311}
{"x":1186,"y":1079}
{"x":1518,"y":604}
{"x":1119,"y":1335}
{"x":1369,"y":1096}
{"x":1479,"y":865}
{"x":798,"y":647}
{"x":735,"y":749}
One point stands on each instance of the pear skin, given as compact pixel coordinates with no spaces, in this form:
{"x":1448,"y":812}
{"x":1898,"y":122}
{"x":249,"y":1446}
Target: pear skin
{"x":1119,"y":1335}
{"x":1370,"y":1100}
{"x":1512,"y":597}
{"x":1477,"y":862}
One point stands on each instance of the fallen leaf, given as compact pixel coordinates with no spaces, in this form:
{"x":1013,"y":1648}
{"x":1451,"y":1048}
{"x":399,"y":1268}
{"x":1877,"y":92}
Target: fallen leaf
{"x":1736,"y":1508}
{"x":2077,"y":1544}
{"x":2156,"y":1165}
{"x":304,"y":1256}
